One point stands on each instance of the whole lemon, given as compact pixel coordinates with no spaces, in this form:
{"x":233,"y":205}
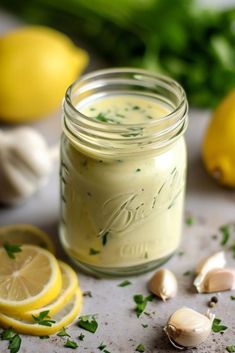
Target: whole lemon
{"x":218,"y":149}
{"x":37,"y":64}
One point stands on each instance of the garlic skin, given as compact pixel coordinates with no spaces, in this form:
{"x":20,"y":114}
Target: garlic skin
{"x":211,"y":262}
{"x":25,"y":164}
{"x":217,"y":280}
{"x":163,"y":284}
{"x":187,"y":328}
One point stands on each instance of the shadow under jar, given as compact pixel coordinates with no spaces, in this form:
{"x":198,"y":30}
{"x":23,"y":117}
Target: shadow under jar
{"x":123,"y":164}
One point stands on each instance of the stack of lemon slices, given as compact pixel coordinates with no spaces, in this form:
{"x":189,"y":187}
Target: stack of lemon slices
{"x":39,"y":295}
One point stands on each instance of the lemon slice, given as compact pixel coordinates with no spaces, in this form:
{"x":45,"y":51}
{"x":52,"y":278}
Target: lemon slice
{"x":25,"y":234}
{"x":29,"y":281}
{"x":69,"y":286}
{"x":63,"y":318}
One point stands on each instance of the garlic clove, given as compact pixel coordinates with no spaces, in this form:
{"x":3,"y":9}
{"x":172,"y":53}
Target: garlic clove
{"x":216,"y":260}
{"x":217,"y":280}
{"x":188,"y":328}
{"x":163,"y":284}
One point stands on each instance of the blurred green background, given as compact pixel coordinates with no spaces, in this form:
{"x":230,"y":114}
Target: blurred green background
{"x":193,"y":44}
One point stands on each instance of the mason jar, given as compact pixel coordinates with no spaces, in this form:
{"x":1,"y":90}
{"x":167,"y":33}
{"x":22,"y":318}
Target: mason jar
{"x":123,"y":167}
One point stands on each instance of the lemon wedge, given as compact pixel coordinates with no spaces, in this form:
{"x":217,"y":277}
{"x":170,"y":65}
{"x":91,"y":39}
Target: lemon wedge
{"x":69,"y":286}
{"x":25,"y":234}
{"x":63,"y":318}
{"x":29,"y":281}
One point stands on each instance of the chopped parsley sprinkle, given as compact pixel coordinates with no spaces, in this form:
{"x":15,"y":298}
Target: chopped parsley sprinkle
{"x":11,"y":249}
{"x":138,"y":170}
{"x":232,"y":297}
{"x":144,"y":325}
{"x":44,"y":337}
{"x":187,"y":273}
{"x":88,"y":323}
{"x":94,"y":251}
{"x":225,"y":231}
{"x":87,"y":294}
{"x":189,"y":221}
{"x":101,"y":117}
{"x":124,"y":283}
{"x":136,"y":107}
{"x":140,"y":348}
{"x":81,"y":337}
{"x":141,"y":303}
{"x":180,"y":253}
{"x":70,"y":344}
{"x":102,"y":346}
{"x":14,"y":344}
{"x":217,"y":327}
{"x":105,"y":238}
{"x":230,"y":349}
{"x":7,"y":334}
{"x":43,"y":319}
{"x":63,"y":333}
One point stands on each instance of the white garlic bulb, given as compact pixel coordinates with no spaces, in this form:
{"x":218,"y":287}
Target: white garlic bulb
{"x":217,"y":280}
{"x":163,"y":284}
{"x":187,"y":328}
{"x":25,"y":164}
{"x":211,"y":262}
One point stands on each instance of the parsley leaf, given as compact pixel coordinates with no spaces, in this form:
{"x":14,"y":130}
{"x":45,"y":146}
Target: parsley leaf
{"x":94,"y":251}
{"x":141,"y":303}
{"x":138,"y":170}
{"x":63,"y":333}
{"x":81,"y":337}
{"x":44,"y":337}
{"x":230,"y":349}
{"x":187,"y":273}
{"x":225,"y":230}
{"x":102,"y":346}
{"x":7,"y":334}
{"x":124,"y":283}
{"x":105,"y":238}
{"x":70,"y":344}
{"x":140,"y":348}
{"x":232,"y":297}
{"x":144,"y":325}
{"x":189,"y":221}
{"x":216,"y":327}
{"x":14,"y":344}
{"x":11,"y":249}
{"x":87,"y":294}
{"x":101,"y":117}
{"x":43,"y":319}
{"x":88,"y":323}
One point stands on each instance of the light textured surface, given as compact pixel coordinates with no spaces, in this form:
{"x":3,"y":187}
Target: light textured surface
{"x":119,"y":328}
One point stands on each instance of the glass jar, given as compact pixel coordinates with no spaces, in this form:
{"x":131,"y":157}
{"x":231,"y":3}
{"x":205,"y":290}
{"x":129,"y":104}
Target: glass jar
{"x":122,"y":185}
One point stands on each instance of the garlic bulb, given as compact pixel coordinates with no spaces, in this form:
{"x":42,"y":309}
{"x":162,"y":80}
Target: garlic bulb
{"x":187,"y":328}
{"x":211,"y":262}
{"x":163,"y":284}
{"x":217,"y":280}
{"x":25,"y":164}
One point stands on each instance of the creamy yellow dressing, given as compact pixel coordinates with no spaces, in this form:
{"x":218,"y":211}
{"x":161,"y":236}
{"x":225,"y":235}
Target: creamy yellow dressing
{"x":122,"y":212}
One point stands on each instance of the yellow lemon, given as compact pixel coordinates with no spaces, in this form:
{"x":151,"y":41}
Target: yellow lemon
{"x":29,"y":279}
{"x":37,"y":64}
{"x":69,"y":286}
{"x":63,"y":318}
{"x":25,"y":234}
{"x":218,"y":149}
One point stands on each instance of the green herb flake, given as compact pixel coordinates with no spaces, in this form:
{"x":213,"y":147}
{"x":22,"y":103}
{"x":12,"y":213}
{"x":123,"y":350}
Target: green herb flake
{"x":105,"y":238}
{"x":70,"y":344}
{"x":81,"y":337}
{"x":11,"y":249}
{"x":180,"y":253}
{"x":94,"y":252}
{"x":7,"y":334}
{"x":63,"y":333}
{"x":87,"y":294}
{"x":225,"y":231}
{"x":44,"y":337}
{"x":15,"y":343}
{"x":232,"y":297}
{"x":217,"y":327}
{"x":140,"y":348}
{"x":144,"y":325}
{"x":101,"y":117}
{"x":43,"y":319}
{"x":102,"y":346}
{"x":141,"y":303}
{"x":230,"y":349}
{"x":189,"y":221}
{"x":136,"y":107}
{"x":124,"y":283}
{"x":187,"y":273}
{"x":138,"y":170}
{"x":88,"y":323}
